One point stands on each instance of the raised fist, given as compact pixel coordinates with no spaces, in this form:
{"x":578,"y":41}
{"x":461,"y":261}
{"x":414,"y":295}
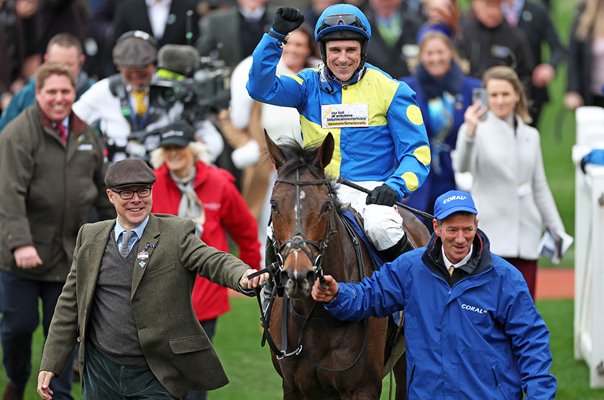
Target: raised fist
{"x":287,"y":19}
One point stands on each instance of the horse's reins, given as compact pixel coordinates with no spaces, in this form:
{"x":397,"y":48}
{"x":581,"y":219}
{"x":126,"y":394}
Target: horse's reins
{"x":353,"y":185}
{"x":298,"y":241}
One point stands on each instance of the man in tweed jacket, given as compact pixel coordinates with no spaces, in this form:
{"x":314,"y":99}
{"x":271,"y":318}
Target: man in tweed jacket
{"x":131,"y":310}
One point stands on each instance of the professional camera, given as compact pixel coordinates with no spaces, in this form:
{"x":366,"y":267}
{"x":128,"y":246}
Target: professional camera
{"x":206,"y":92}
{"x":200,"y":86}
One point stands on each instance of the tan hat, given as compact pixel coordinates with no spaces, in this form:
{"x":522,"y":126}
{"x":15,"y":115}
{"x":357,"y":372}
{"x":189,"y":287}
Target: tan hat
{"x":129,"y":173}
{"x":135,"y":49}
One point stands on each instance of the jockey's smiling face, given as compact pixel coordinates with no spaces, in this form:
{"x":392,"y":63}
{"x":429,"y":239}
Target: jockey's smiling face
{"x":343,"y":58}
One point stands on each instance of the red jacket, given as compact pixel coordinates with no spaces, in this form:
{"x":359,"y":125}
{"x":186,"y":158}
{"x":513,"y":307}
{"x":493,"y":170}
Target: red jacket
{"x":226,"y":212}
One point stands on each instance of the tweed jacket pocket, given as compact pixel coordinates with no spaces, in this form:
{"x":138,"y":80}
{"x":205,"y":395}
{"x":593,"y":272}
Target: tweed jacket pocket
{"x":190,"y":344}
{"x":162,"y":270}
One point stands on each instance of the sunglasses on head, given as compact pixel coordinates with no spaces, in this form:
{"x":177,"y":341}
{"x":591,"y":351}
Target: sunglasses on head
{"x":343,"y":19}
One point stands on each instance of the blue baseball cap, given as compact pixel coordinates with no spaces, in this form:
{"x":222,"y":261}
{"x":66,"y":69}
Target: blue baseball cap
{"x":451,"y":202}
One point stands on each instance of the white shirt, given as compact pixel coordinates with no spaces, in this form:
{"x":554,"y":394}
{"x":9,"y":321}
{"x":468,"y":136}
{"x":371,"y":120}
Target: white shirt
{"x":463,"y":262}
{"x":138,"y":232}
{"x":158,"y":11}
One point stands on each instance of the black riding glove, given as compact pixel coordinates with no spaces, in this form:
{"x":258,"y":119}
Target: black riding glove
{"x":287,"y":19}
{"x":382,"y":195}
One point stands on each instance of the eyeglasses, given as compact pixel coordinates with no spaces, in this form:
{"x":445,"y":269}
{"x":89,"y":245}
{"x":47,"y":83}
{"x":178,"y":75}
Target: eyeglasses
{"x":129,"y":194}
{"x":342,"y":19}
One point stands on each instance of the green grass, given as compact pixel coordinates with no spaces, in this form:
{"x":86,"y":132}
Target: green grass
{"x":252,"y":376}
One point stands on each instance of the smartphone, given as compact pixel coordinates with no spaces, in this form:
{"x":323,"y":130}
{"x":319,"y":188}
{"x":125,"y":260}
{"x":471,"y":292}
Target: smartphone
{"x":480,"y":94}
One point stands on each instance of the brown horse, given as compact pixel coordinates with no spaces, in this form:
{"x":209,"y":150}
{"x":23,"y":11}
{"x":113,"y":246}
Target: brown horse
{"x":318,"y":356}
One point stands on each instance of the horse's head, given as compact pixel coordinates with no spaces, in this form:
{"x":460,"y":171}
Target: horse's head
{"x":303,"y":208}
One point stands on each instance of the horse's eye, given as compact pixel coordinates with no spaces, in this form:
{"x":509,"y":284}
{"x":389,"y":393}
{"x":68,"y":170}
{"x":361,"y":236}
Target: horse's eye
{"x":274,"y":206}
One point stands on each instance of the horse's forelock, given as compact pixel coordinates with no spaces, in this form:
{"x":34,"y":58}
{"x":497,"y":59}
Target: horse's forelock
{"x":305,"y":158}
{"x":300,"y":157}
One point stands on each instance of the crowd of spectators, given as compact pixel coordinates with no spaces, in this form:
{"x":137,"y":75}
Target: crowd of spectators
{"x":119,"y":53}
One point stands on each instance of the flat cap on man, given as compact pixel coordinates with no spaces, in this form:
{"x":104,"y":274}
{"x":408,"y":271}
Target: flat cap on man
{"x":135,"y":49}
{"x":129,"y":173}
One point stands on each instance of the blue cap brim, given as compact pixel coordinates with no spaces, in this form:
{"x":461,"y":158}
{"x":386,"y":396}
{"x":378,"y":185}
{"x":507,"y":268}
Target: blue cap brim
{"x":454,"y":210}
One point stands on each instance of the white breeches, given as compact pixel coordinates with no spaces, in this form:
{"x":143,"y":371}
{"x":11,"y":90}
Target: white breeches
{"x":383,"y":224}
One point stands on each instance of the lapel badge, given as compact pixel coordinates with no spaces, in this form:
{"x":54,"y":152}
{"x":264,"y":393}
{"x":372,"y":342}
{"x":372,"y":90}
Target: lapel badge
{"x":142,"y":257}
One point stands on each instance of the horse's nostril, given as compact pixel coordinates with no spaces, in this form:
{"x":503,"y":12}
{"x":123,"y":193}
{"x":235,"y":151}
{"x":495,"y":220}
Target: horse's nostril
{"x":310,"y":275}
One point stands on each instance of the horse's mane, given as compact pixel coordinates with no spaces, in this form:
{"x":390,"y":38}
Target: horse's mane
{"x":305,"y":158}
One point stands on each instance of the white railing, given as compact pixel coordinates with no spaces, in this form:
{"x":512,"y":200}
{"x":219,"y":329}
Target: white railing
{"x":589,"y":246}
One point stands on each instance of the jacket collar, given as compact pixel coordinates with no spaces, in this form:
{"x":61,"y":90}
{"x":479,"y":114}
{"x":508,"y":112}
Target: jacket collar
{"x":331,"y":84}
{"x":433,"y":87}
{"x":76,"y":125}
{"x":480,"y":260}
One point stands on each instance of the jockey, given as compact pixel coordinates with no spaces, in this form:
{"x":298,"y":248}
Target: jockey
{"x":381,"y":141}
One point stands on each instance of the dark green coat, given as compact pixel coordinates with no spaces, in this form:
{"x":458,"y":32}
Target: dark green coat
{"x":175,"y":346}
{"x":47,"y":190}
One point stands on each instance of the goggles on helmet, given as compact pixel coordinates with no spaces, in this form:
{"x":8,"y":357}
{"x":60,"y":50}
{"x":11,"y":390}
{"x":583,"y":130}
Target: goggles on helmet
{"x":342,"y":19}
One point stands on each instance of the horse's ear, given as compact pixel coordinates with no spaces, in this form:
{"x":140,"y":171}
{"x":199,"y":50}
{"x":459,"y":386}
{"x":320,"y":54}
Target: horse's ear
{"x":326,"y":150}
{"x":274,"y":151}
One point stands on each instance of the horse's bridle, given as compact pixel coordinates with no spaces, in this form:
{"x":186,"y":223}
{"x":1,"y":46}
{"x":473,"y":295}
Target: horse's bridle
{"x":299,"y":242}
{"x":313,"y":250}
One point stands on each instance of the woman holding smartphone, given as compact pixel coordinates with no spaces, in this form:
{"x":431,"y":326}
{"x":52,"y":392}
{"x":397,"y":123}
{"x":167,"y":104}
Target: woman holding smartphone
{"x":443,"y":93}
{"x":503,"y":153}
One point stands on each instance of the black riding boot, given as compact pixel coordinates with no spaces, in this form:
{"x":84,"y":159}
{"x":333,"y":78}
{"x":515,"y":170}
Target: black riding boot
{"x":392,"y":253}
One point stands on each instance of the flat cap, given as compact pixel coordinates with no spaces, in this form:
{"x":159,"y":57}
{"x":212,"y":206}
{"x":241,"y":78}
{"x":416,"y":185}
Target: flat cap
{"x":129,"y":173}
{"x":135,"y":49}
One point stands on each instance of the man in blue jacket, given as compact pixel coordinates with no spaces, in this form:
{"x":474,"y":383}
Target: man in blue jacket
{"x":472,"y":329}
{"x":380,"y":138}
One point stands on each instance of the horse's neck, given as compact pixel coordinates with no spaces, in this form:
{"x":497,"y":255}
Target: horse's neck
{"x":341,"y":259}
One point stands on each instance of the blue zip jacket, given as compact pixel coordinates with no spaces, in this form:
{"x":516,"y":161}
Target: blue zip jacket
{"x":481,"y":338}
{"x":394,"y":147}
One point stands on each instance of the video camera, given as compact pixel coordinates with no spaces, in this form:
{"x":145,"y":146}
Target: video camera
{"x":208,"y":91}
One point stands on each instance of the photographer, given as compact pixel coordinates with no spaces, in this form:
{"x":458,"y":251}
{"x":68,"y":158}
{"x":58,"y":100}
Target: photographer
{"x":119,"y":104}
{"x":124,"y":107}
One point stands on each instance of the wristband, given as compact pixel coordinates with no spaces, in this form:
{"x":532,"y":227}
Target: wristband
{"x":279,"y":36}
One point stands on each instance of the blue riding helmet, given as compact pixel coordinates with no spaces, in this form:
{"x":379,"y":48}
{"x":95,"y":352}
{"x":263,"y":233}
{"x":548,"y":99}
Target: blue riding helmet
{"x":342,"y":18}
{"x":343,"y":22}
